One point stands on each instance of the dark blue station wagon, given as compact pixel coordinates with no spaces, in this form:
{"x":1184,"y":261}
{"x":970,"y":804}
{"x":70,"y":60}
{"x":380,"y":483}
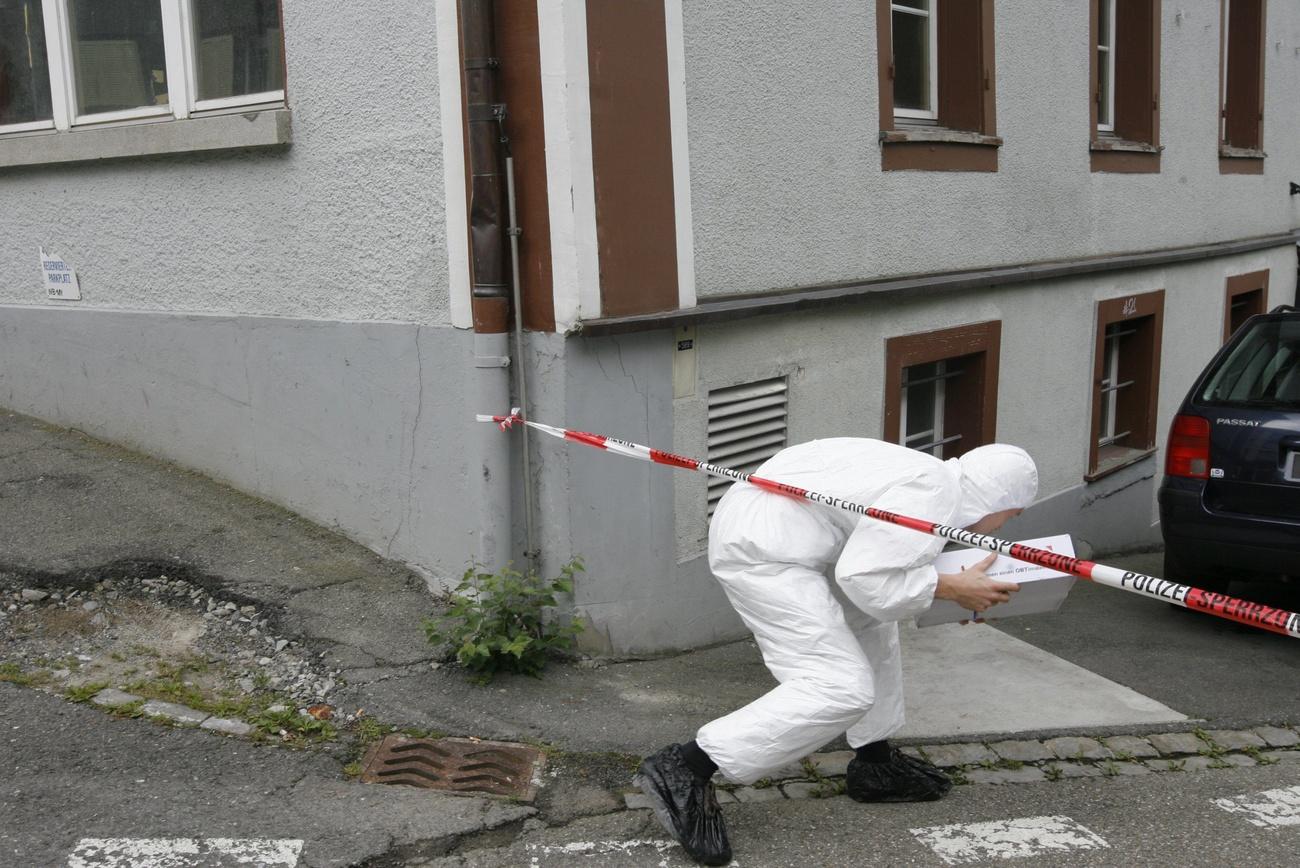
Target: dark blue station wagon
{"x":1230,"y":499}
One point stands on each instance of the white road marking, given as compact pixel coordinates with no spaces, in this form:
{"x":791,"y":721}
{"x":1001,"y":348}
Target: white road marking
{"x":185,"y":853}
{"x":1269,"y":809}
{"x":1007,"y":839}
{"x":596,"y":848}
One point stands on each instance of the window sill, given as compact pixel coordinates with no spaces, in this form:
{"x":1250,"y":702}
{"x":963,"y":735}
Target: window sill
{"x":1117,"y":460}
{"x":248,"y":129}
{"x":1241,"y":153}
{"x":1110,"y":143}
{"x":1110,"y":154}
{"x":938,"y":149}
{"x":1240,"y":161}
{"x":938,"y":134}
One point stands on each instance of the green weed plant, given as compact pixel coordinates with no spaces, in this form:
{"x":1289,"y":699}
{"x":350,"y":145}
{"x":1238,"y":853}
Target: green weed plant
{"x":497,"y":622}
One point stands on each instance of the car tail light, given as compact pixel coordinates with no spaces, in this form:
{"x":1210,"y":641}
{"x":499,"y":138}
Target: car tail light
{"x":1189,"y":448}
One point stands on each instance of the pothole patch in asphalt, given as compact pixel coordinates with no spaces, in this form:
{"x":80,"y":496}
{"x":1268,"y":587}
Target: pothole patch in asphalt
{"x":148,"y":632}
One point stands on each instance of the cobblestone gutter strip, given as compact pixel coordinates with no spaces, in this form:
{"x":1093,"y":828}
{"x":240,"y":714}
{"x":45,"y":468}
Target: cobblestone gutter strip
{"x":1030,"y":761}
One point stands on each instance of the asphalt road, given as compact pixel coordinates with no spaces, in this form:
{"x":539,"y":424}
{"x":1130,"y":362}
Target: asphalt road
{"x":73,"y":773}
{"x":1154,"y":820}
{"x":1206,"y":667}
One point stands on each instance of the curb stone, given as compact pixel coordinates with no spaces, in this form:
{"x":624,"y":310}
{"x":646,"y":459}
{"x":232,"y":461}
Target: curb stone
{"x":1282,"y":756}
{"x":832,"y":764}
{"x":1235,"y":740}
{"x":1162,"y":753}
{"x":1075,"y":747}
{"x":952,"y":755}
{"x":753,"y":794}
{"x":1121,"y":769}
{"x":1132,"y":745}
{"x":1023,"y":775}
{"x":1174,"y":743}
{"x":1276,"y":736}
{"x":1197,"y":764}
{"x":800,"y":790}
{"x":110,"y":697}
{"x":229,"y":727}
{"x":1022,"y":751}
{"x":173,"y":712}
{"x":636,"y":801}
{"x":1077,"y":770}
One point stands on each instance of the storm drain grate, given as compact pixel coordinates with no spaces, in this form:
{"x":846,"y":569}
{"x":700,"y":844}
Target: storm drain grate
{"x":458,"y":765}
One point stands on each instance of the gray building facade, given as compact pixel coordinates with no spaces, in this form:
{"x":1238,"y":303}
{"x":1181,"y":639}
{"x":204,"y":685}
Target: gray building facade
{"x":743,"y":226}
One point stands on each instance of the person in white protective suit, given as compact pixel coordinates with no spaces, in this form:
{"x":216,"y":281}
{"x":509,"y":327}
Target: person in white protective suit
{"x":823,"y":590}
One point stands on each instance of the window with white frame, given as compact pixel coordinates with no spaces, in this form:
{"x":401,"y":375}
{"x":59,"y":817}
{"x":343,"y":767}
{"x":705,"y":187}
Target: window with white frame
{"x":924,"y":390}
{"x":72,"y":63}
{"x":1106,"y":66}
{"x":1126,"y":381}
{"x":941,"y":389}
{"x":1111,"y":384}
{"x":916,"y":73}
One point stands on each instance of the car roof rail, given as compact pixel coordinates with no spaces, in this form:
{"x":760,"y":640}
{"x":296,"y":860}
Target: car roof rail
{"x":1285,"y":308}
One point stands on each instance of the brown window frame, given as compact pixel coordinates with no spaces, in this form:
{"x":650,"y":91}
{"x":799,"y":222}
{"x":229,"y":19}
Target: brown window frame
{"x":965,"y":138}
{"x":1244,"y":284}
{"x":977,"y":400}
{"x":1241,"y":87}
{"x":1141,"y":363}
{"x":1135,"y":113}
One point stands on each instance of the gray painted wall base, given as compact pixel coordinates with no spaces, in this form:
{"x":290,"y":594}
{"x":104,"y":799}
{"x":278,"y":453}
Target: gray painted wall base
{"x":357,"y":425}
{"x":354,"y":425}
{"x":1103,"y":517}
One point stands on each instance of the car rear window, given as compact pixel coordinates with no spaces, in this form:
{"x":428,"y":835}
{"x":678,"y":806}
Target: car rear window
{"x":1262,"y":370}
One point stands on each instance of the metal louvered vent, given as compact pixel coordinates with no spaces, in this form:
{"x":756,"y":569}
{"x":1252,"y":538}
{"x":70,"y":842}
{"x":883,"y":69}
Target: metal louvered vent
{"x":746,"y":427}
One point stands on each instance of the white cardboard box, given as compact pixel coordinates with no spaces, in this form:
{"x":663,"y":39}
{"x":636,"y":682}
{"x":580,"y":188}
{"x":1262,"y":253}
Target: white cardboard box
{"x":1041,"y":589}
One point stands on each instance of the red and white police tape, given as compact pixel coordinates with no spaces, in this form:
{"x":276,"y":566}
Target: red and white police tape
{"x":1222,"y":605}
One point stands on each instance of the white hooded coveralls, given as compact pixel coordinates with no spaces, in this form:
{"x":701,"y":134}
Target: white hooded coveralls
{"x":834,"y":646}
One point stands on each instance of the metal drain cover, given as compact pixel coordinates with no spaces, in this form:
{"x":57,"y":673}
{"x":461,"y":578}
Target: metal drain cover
{"x":458,"y":765}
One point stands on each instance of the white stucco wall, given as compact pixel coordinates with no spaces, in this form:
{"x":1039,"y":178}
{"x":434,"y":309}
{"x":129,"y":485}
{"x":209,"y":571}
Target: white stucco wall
{"x":835,"y":362}
{"x":786,"y":184}
{"x":347,"y":224}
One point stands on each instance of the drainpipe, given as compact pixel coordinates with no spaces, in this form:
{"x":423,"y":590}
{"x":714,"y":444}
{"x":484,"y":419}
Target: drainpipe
{"x":490,"y":292}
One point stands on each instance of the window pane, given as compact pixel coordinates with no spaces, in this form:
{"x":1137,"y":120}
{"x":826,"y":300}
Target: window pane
{"x":1109,"y":378}
{"x":117,"y":46}
{"x":914,"y":4}
{"x":237,"y":43}
{"x":24,"y":72}
{"x":1103,"y":22}
{"x":1263,"y":369}
{"x":1103,"y":87}
{"x":911,"y":61}
{"x":920,"y":400}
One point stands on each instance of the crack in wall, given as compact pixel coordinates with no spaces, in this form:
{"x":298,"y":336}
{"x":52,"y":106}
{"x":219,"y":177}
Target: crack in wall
{"x":415,"y":432}
{"x":248,"y":391}
{"x":1103,"y":495}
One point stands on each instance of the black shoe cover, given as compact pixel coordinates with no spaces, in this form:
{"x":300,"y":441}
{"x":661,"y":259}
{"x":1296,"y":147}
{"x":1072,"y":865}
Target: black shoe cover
{"x":685,"y":805}
{"x":902,"y":779}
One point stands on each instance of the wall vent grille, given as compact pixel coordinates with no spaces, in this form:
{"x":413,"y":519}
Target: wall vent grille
{"x":747,"y":426}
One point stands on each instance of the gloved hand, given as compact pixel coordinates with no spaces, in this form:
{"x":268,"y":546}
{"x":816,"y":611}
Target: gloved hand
{"x":972,"y":589}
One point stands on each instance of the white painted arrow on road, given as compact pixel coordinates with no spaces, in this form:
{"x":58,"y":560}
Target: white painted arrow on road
{"x":185,"y":853}
{"x":1007,"y":839}
{"x":1269,"y":809}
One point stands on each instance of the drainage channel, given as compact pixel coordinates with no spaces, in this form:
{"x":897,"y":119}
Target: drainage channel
{"x":455,"y":765}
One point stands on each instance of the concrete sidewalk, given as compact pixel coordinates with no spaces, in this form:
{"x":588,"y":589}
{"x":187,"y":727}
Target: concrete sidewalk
{"x":76,"y":511}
